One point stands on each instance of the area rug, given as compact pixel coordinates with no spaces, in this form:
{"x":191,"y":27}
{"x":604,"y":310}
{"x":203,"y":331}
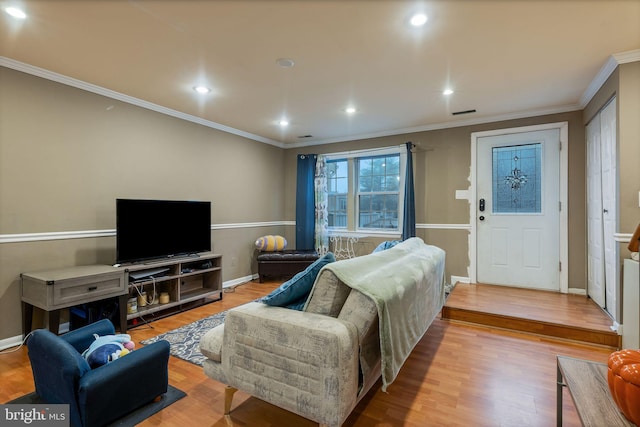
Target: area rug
{"x":185,"y":340}
{"x":171,"y":396}
{"x":448,"y":288}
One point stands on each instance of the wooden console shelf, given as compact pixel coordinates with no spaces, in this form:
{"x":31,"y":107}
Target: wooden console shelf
{"x":182,"y":282}
{"x":54,"y":290}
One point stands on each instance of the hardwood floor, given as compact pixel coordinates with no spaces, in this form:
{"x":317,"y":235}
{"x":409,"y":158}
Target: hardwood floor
{"x":458,"y":375}
{"x":568,"y":316}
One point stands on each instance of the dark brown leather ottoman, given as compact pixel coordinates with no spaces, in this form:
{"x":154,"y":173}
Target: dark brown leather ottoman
{"x":284,"y":263}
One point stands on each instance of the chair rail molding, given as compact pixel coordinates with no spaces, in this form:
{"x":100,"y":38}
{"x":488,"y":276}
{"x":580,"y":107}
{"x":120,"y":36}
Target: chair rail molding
{"x":84,"y":234}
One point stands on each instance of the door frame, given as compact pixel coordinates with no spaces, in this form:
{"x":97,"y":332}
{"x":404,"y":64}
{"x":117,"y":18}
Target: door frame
{"x":563,"y":127}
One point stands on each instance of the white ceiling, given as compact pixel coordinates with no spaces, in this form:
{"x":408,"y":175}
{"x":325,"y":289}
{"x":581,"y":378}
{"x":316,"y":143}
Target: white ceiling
{"x":503,"y":58}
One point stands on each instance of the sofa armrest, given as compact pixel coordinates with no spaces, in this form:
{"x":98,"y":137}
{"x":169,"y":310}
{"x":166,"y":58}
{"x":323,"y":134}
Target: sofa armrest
{"x":57,"y":367}
{"x":114,"y":389}
{"x":306,"y":363}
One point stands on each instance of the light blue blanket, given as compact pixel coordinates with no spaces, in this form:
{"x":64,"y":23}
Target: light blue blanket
{"x":406,"y":283}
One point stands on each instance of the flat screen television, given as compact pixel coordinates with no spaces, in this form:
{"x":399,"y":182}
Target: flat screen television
{"x":152,"y":229}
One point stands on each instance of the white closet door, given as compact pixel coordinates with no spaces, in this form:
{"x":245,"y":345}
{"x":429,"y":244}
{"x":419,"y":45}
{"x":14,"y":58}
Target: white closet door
{"x":602,"y":209}
{"x":610,"y":204}
{"x":595,"y":247}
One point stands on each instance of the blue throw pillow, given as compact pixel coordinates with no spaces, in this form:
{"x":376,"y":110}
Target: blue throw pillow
{"x":386,"y":245}
{"x":291,"y":292}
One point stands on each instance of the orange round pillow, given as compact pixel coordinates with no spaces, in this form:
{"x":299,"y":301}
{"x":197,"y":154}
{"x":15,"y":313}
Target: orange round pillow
{"x":623,"y":376}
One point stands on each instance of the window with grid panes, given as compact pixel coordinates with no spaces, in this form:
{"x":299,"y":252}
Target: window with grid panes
{"x":378,"y":191}
{"x":364,"y":190}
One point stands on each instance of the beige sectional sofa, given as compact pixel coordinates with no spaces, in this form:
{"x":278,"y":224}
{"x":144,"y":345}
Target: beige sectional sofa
{"x":321,"y":361}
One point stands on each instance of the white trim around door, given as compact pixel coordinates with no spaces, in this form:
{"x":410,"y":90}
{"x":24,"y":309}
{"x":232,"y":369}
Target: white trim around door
{"x":563,"y":128}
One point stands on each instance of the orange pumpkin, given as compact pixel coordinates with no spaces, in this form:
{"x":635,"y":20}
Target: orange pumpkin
{"x":623,"y":376}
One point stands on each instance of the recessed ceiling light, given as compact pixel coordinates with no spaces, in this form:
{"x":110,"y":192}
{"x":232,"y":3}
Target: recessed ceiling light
{"x":202,"y":89}
{"x":350,"y":110}
{"x":283,"y":123}
{"x":285,"y":62}
{"x":447,"y":92}
{"x":418,"y":20}
{"x":15,"y":12}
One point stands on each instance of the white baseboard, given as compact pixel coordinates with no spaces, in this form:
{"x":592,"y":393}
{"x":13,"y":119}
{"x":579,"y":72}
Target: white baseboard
{"x":17,"y":340}
{"x":10,"y":342}
{"x":239,"y":281}
{"x":575,"y":291}
{"x":456,"y":279}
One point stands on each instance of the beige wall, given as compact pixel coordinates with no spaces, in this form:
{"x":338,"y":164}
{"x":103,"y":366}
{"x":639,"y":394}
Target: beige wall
{"x":67,"y":154}
{"x":629,"y":146}
{"x":624,"y":83}
{"x":442,"y":166}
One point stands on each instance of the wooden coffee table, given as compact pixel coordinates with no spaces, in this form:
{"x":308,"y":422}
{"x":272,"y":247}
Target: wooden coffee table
{"x":589,"y":389}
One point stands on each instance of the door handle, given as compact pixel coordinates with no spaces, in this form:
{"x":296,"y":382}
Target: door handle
{"x":606,"y":211}
{"x":481,"y":207}
{"x":481,"y":218}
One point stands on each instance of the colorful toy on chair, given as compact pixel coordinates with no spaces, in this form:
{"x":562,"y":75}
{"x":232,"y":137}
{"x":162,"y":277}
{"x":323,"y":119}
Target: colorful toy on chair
{"x":107,"y":348}
{"x":271,"y":243}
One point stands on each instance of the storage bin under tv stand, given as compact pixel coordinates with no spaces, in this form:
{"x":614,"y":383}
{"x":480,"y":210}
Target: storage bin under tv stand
{"x":190,"y":281}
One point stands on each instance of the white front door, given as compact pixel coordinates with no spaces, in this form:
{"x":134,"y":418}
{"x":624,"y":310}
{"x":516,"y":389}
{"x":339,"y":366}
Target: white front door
{"x":517,"y":210}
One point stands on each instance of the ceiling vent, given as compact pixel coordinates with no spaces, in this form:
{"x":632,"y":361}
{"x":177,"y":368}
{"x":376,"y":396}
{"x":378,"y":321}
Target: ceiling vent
{"x":457,"y":113}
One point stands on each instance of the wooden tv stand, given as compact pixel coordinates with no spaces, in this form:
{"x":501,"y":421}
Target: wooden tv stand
{"x":187,"y":281}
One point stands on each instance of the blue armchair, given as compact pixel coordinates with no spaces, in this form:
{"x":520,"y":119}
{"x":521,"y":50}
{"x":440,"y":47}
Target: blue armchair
{"x":95,"y":396}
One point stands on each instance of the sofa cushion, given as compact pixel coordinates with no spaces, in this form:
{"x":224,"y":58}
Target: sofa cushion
{"x":288,"y":255}
{"x":211,"y":343}
{"x":328,"y":295}
{"x":361,"y":311}
{"x":298,"y":287}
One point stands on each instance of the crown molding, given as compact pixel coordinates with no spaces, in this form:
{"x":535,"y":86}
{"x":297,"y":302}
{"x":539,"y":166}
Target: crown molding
{"x":628,"y":56}
{"x":609,"y":66}
{"x":612,"y":62}
{"x":443,"y":125}
{"x":79,"y":84}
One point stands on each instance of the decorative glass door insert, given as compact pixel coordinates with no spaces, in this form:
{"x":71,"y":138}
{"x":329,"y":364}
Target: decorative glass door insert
{"x":516,"y":179}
